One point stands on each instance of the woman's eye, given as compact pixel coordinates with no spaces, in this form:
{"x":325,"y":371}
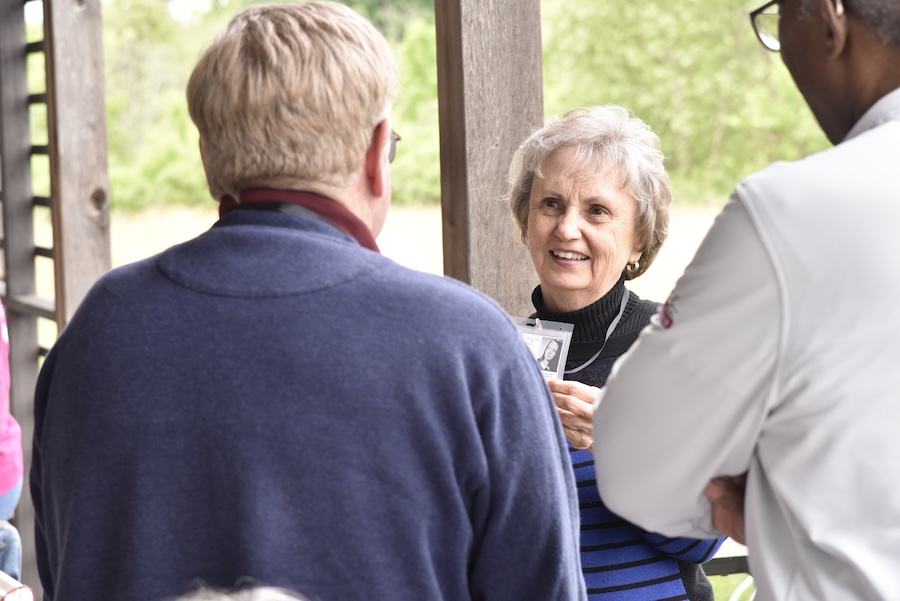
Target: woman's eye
{"x":551,"y":203}
{"x":597,"y":211}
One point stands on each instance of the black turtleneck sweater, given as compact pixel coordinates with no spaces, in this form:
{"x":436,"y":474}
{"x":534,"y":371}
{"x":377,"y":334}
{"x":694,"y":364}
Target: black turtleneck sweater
{"x":591,"y":324}
{"x":619,"y":559}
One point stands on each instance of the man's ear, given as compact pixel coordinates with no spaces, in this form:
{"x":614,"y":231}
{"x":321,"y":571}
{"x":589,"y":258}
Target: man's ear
{"x":205,"y":167}
{"x":376,"y":162}
{"x":836,"y":25}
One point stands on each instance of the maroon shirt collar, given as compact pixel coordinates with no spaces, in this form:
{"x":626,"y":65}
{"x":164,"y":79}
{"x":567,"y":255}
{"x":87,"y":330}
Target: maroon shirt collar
{"x":335,"y":213}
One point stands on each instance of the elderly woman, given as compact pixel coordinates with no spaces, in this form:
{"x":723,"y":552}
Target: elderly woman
{"x":591,"y":198}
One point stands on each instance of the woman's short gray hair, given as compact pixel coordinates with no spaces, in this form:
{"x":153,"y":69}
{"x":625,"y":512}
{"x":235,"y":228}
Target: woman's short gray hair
{"x":598,"y":134}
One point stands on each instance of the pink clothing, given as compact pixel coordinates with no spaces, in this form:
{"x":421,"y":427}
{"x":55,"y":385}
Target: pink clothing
{"x":11,"y":463}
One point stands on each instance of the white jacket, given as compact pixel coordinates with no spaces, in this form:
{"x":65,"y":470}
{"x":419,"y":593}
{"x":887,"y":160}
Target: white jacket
{"x":778,"y":353}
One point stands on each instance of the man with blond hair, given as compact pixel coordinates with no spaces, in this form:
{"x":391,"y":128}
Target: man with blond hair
{"x":276,"y":402}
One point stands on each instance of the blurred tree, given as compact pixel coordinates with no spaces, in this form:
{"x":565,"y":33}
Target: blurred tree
{"x":392,"y":16}
{"x":417,"y":168}
{"x":722,"y":105}
{"x":148,"y":56}
{"x":153,"y":144}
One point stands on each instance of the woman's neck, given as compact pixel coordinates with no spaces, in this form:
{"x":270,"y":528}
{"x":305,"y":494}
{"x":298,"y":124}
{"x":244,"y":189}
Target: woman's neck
{"x":592,"y":321}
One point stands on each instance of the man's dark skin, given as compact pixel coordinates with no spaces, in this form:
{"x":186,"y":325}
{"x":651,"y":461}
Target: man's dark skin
{"x":727,"y":498}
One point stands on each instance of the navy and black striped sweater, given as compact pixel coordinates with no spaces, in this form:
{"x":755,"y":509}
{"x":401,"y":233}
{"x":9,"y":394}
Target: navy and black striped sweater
{"x":620,"y":560}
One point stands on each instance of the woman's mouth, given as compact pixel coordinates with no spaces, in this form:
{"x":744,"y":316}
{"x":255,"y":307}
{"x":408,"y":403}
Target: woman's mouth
{"x":569,"y":256}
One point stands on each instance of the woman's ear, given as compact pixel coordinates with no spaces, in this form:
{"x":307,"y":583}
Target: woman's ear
{"x":637,"y":253}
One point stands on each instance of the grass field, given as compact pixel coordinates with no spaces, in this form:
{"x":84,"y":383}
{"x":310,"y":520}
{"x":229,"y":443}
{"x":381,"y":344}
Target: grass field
{"x":726,"y":586}
{"x":411,"y":236}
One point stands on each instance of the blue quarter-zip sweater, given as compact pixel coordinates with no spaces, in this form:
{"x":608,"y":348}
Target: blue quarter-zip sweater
{"x":271,"y":402}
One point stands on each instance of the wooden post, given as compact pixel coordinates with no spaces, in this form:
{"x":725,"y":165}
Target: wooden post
{"x":18,"y":245}
{"x":490,"y":94}
{"x":78,"y":188}
{"x":78,"y":164}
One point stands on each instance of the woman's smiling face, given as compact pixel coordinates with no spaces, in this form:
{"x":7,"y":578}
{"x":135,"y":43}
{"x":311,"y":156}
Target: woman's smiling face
{"x":581,"y":230}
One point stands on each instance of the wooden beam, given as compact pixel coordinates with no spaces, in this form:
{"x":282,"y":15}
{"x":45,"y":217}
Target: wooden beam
{"x":490,"y":94}
{"x":77,"y":141}
{"x":18,"y":244}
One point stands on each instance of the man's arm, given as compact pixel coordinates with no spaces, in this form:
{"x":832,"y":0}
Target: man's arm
{"x":686,"y":404}
{"x":527,"y":527}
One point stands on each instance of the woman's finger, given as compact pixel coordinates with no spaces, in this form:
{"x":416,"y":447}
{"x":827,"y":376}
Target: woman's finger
{"x":582,"y":392}
{"x":574,"y":405}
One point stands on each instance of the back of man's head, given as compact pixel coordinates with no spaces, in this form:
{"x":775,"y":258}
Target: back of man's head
{"x":844,"y":56}
{"x":881,"y":17}
{"x":290,"y":90}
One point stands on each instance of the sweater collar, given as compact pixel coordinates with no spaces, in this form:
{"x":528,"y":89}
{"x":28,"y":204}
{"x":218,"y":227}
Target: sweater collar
{"x":592,"y":321}
{"x":330,"y":210}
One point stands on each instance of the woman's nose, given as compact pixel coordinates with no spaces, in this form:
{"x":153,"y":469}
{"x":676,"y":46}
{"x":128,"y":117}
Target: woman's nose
{"x":569,"y":226}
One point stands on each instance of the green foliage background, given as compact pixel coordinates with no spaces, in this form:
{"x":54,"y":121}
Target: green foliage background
{"x":722,"y":106}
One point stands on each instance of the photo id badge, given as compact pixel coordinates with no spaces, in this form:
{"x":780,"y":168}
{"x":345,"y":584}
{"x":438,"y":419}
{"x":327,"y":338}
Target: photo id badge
{"x":548,"y":342}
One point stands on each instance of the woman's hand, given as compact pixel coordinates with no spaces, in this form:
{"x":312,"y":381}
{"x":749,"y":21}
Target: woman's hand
{"x":575,"y":406}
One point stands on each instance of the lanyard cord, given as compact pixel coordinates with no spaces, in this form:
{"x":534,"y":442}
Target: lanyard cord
{"x":609,"y":331}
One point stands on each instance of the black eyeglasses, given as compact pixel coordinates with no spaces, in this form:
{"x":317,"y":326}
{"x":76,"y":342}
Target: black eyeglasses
{"x":395,"y":137}
{"x":765,"y":25}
